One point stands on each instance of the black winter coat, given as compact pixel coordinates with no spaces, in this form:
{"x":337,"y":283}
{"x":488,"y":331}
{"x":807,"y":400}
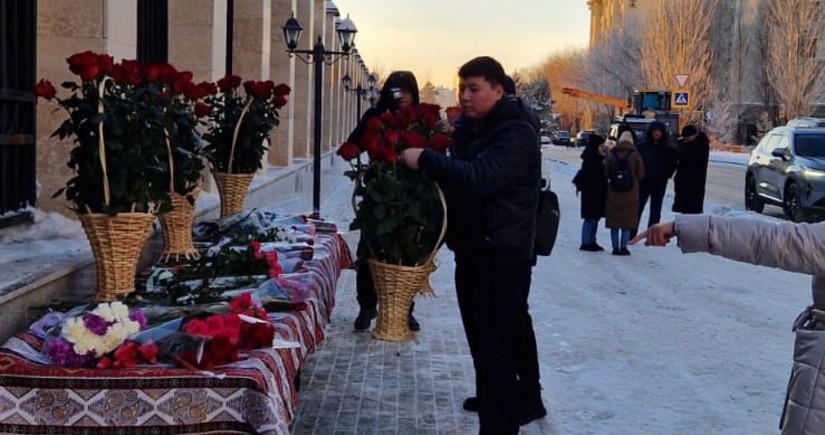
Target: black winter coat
{"x":691,"y":175}
{"x":592,"y":183}
{"x":660,"y":162}
{"x":491,"y":179}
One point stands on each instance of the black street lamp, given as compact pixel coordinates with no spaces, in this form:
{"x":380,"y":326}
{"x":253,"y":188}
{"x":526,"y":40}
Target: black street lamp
{"x":360,"y":92}
{"x":318,"y":56}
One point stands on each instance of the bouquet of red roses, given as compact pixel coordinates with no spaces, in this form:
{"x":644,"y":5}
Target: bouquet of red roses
{"x":399,"y":212}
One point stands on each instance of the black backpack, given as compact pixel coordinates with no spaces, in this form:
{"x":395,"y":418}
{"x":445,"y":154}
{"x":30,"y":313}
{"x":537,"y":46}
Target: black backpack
{"x":547,"y":220}
{"x":620,"y":177}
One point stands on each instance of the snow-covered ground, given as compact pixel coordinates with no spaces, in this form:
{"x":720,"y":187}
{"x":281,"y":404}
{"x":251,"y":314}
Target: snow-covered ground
{"x":660,"y":342}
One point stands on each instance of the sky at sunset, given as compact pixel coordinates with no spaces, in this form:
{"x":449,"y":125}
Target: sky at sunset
{"x":433,"y":38}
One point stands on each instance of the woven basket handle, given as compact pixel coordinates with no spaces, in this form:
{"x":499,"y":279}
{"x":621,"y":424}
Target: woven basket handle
{"x":101,"y":144}
{"x":235,"y":136}
{"x":171,"y":161}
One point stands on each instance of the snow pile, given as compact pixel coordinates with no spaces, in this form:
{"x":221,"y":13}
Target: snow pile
{"x":207,"y":200}
{"x":46,"y":226}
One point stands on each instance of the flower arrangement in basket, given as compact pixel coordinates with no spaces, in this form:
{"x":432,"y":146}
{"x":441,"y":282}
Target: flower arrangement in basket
{"x":118,"y":122}
{"x":239,"y":125}
{"x":401,"y":213}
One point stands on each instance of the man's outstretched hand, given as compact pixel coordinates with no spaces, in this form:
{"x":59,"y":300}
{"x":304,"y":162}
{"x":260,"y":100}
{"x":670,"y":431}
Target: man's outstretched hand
{"x":657,"y":235}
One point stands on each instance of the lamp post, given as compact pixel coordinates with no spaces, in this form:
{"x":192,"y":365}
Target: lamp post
{"x":360,"y":92}
{"x":318,"y":56}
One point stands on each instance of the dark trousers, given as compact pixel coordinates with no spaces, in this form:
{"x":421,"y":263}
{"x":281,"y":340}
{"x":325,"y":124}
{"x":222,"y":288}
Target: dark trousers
{"x":492,"y":287}
{"x":656,"y":193}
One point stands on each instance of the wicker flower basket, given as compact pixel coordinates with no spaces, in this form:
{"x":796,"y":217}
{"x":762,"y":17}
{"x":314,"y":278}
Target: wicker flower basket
{"x":116,"y":244}
{"x":397,"y":286}
{"x":177,"y":230}
{"x":232,"y":189}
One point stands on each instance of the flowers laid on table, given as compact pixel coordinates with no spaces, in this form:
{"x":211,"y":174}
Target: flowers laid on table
{"x":86,"y":336}
{"x":253,"y":113}
{"x":399,"y":212}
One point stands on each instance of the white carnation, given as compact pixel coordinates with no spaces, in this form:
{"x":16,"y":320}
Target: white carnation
{"x":120,"y":311}
{"x":105,"y":312}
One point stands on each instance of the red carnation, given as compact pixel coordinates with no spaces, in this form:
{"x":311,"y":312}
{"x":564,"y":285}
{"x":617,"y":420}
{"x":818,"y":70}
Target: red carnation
{"x":201,"y":109}
{"x":348,"y":151}
{"x":440,"y":142}
{"x":281,"y":90}
{"x":149,"y":352}
{"x":44,"y":89}
{"x":150,"y":72}
{"x":240,"y":303}
{"x":196,"y":327}
{"x":279,"y":101}
{"x":414,"y":140}
{"x":104,"y":363}
{"x":256,"y":335}
{"x":229,"y":82}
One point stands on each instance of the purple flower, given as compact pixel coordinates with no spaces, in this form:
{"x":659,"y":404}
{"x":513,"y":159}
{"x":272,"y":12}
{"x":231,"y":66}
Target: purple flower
{"x":96,"y":324}
{"x":62,"y":353}
{"x":137,"y":316}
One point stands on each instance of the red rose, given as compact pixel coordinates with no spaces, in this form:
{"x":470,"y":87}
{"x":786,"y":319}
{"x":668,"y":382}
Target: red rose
{"x":430,"y":119}
{"x":371,"y":141}
{"x":201,"y":109}
{"x":427,"y":108}
{"x":85,"y":65}
{"x":388,"y":155}
{"x":196,"y":327}
{"x":229,"y":82}
{"x":181,"y":81}
{"x":105,"y":63}
{"x":167,"y":73}
{"x":386,"y":118}
{"x":44,"y":89}
{"x":392,"y":137}
{"x":348,"y":151}
{"x":207,"y":88}
{"x":453,"y":113}
{"x":192,"y":91}
{"x":126,"y":72}
{"x":259,"y":89}
{"x":414,"y":140}
{"x":440,"y":142}
{"x":150,"y":72}
{"x":279,"y":101}
{"x":281,"y":90}
{"x":374,"y":124}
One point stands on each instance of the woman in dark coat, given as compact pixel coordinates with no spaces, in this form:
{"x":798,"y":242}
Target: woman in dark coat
{"x":621,"y":210}
{"x":691,"y":172}
{"x":592,"y":183}
{"x":399,"y":90}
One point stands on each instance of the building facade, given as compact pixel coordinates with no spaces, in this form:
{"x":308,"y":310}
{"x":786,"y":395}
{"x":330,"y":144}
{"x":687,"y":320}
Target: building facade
{"x":211,"y":38}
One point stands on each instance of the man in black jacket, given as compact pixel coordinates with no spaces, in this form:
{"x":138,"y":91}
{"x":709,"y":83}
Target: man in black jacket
{"x":492,"y":180}
{"x":659,"y":157}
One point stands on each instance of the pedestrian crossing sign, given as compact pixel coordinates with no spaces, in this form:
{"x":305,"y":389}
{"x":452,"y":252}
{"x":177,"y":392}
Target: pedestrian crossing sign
{"x":681,"y":100}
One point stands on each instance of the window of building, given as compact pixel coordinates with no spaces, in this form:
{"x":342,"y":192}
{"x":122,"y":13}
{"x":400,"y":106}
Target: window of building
{"x":153,"y":31}
{"x":18,"y":38}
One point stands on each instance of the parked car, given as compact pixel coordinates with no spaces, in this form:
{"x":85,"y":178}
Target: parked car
{"x":582,"y":137}
{"x":787,"y":168}
{"x":562,"y":138}
{"x":806,"y":122}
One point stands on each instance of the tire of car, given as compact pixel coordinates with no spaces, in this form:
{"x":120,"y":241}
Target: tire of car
{"x":752,"y":200}
{"x":791,"y":205}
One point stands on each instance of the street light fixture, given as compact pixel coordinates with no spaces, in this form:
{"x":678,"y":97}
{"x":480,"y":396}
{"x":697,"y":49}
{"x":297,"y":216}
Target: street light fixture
{"x":318,"y":56}
{"x":360,"y":92}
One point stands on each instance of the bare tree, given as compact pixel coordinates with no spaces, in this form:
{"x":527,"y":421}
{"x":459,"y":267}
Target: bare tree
{"x":566,"y":69}
{"x":794,"y":72}
{"x":677,"y":40}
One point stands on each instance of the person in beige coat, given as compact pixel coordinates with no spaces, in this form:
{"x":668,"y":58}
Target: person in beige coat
{"x":787,"y":246}
{"x":622,"y":207}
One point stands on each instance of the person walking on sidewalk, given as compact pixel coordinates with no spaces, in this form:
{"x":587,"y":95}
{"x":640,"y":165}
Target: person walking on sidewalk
{"x":693,"y":154}
{"x":592,"y":183}
{"x":491,"y":180}
{"x":624,"y":170}
{"x":787,"y":246}
{"x":400,"y":90}
{"x":660,"y":161}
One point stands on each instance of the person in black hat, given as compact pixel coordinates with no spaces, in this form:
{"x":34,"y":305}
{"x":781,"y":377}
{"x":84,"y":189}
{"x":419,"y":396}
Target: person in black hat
{"x":692,"y":153}
{"x":592,"y":183}
{"x":399,"y":90}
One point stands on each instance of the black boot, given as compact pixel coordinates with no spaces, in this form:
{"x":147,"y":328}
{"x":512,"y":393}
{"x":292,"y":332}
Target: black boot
{"x":470,"y":404}
{"x":530,"y":409}
{"x":365,"y":316}
{"x":412,"y":323}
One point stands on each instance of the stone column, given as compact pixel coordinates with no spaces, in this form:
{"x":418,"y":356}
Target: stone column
{"x":331,"y":43}
{"x":63,"y":28}
{"x":251,"y":39}
{"x":302,"y":101}
{"x":282,"y":70}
